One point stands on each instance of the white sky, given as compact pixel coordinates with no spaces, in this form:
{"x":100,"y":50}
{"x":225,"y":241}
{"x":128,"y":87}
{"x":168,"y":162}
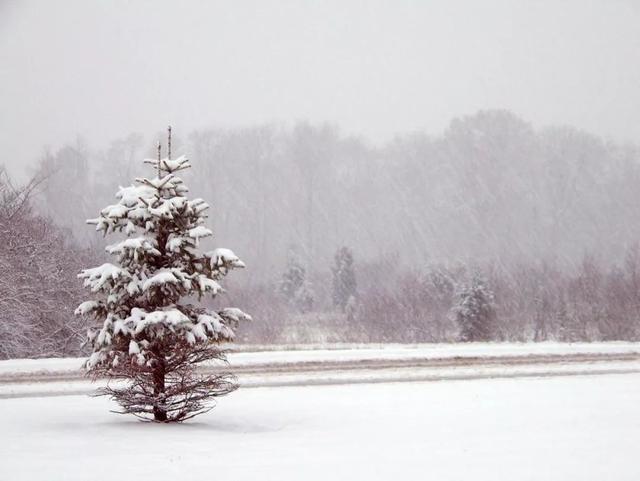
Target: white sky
{"x":103,"y":69}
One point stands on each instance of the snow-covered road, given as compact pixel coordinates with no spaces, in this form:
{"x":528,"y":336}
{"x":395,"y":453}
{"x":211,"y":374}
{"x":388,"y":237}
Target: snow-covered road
{"x":562,"y":428}
{"x":363,"y":364}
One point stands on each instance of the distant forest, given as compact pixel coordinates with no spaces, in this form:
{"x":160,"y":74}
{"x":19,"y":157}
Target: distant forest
{"x":493,"y":230}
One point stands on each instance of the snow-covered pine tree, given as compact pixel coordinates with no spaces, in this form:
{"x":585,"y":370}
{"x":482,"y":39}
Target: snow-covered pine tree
{"x":344,"y":278}
{"x":294,"y":286}
{"x":151,"y":335}
{"x":474,"y":312}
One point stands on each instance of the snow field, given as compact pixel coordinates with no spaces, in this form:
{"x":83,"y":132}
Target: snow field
{"x":578,"y":428}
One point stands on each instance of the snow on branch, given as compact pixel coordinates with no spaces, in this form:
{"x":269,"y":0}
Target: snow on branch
{"x":102,"y":277}
{"x":170,"y":166}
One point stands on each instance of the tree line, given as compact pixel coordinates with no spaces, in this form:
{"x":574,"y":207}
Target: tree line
{"x":538,"y":223}
{"x":383,"y":302}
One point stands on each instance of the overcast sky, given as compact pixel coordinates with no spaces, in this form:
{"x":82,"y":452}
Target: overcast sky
{"x":103,"y":69}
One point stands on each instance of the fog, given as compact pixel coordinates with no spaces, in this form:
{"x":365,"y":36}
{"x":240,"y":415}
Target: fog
{"x":104,"y":69}
{"x":377,"y":165}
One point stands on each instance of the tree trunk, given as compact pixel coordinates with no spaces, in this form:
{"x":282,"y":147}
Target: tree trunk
{"x":159,"y":412}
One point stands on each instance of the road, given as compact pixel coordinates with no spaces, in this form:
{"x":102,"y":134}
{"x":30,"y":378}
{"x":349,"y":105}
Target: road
{"x":299,"y":368}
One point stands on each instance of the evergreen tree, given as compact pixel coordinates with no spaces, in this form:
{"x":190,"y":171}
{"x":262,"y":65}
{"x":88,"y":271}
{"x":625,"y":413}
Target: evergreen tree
{"x":294,"y":286}
{"x":475,"y":312}
{"x":149,"y":335}
{"x":344,"y":278}
{"x":437,"y":285}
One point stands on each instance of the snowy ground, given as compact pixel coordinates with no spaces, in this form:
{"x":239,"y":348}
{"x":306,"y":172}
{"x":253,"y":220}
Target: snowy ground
{"x":561,"y":428}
